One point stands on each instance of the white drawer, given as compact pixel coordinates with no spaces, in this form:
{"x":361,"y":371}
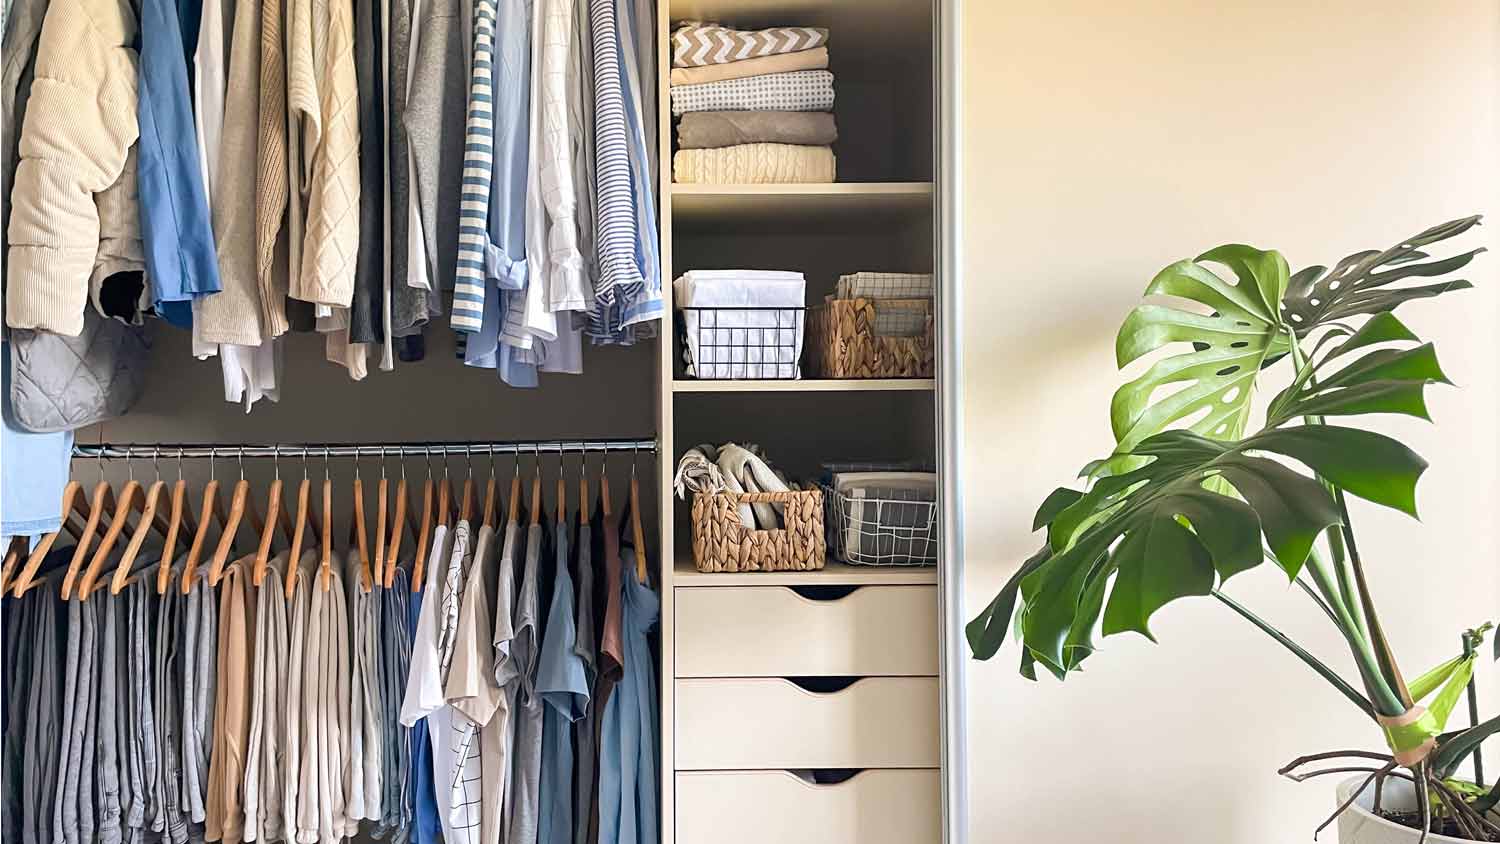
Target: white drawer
{"x":878,"y":722}
{"x":755,"y":807}
{"x":772,"y":631}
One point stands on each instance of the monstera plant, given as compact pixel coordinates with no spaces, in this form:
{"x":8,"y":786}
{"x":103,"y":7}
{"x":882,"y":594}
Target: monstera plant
{"x":1195,"y":492}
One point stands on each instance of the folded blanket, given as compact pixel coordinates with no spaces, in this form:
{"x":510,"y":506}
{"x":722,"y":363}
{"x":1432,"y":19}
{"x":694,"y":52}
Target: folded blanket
{"x":816,"y":59}
{"x":695,"y":44}
{"x":714,"y":129}
{"x":799,"y":90}
{"x":744,"y":471}
{"x":751,"y":164}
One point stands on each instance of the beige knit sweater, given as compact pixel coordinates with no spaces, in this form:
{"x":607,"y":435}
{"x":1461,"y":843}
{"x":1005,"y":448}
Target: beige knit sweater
{"x":233,"y":315}
{"x":749,"y":164}
{"x":271,"y":183}
{"x":75,"y":141}
{"x":323,"y":97}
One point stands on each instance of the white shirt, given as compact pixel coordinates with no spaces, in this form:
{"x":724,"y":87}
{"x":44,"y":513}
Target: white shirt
{"x":567,"y":289}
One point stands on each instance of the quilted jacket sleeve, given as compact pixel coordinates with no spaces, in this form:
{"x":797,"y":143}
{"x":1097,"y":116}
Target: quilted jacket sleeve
{"x":79,"y":126}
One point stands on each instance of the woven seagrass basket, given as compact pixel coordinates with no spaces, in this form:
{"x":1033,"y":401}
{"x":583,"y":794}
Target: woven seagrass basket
{"x":852,"y":338}
{"x":722,"y":543}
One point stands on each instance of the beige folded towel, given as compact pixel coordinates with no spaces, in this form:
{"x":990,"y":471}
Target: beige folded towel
{"x":750,"y":164}
{"x":711,"y":129}
{"x":814,"y":59}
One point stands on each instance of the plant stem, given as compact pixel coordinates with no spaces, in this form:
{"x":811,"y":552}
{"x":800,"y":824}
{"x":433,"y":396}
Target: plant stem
{"x":1387,"y":660}
{"x":1381,"y":694}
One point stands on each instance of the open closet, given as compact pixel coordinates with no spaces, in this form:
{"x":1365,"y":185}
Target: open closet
{"x":792,"y":642}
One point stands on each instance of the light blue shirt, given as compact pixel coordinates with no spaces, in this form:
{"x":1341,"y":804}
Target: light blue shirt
{"x":564,"y":688}
{"x":627,"y":742}
{"x":33,"y":471}
{"x":505,"y":223}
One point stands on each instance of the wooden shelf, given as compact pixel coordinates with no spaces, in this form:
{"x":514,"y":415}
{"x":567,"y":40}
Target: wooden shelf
{"x":880,"y":31}
{"x":832,"y":574}
{"x":818,"y":207}
{"x":830,"y":385}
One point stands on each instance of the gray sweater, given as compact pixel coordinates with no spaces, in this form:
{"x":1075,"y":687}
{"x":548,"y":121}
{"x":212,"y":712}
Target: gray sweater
{"x":435,"y":124}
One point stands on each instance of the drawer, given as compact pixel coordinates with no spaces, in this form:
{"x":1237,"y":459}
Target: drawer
{"x":875,"y":722}
{"x":754,"y":807}
{"x":776,"y":631}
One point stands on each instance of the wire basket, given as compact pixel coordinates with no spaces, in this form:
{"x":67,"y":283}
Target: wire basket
{"x":894,"y":527}
{"x":734,"y":344}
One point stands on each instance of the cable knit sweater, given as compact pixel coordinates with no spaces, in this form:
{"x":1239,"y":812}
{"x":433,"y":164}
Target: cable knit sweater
{"x":75,"y":142}
{"x":323,"y":97}
{"x":748,"y":164}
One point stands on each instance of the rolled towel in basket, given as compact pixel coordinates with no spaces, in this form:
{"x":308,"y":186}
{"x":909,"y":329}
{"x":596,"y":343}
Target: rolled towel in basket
{"x":698,"y":471}
{"x":744,"y":472}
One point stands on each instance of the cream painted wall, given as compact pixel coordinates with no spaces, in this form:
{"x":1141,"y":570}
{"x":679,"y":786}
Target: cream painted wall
{"x":1101,"y":141}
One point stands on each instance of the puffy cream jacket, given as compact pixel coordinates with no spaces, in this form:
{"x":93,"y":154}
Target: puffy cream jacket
{"x":73,"y":205}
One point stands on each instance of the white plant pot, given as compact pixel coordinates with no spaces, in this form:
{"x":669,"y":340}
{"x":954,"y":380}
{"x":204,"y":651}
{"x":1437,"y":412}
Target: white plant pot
{"x":1358,"y":825}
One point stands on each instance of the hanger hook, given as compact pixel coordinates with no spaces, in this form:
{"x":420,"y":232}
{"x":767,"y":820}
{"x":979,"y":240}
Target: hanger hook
{"x":180,"y":475}
{"x":276,"y":462}
{"x":382,"y":462}
{"x":327,"y":453}
{"x":427,"y":451}
{"x":516,"y":453}
{"x":469,"y":459}
{"x":213,"y":454}
{"x":156,"y":461}
{"x":635,"y":451}
{"x":356,"y":463}
{"x":241,"y":457}
{"x":537,"y":447}
{"x":304,"y":463}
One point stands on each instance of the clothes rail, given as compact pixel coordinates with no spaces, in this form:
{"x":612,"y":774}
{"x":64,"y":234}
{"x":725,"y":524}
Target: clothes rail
{"x":143,"y":451}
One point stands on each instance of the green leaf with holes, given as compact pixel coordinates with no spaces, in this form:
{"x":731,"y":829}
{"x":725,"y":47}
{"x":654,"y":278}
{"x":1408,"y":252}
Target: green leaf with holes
{"x":1226,"y":331}
{"x":1137,"y":541}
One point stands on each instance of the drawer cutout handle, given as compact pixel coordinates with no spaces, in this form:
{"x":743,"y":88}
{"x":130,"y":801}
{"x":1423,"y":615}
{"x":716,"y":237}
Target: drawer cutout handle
{"x":823,"y":594}
{"x":822,"y":685}
{"x":826,"y":776}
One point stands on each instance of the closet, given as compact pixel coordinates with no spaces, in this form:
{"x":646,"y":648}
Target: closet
{"x":794,"y":705}
{"x":806,"y":705}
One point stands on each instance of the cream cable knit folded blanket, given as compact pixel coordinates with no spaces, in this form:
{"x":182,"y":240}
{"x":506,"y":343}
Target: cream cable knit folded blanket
{"x":748,"y":164}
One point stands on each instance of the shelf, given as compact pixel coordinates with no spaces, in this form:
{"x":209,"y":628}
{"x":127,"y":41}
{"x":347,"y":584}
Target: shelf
{"x":798,"y":208}
{"x":832,"y":574}
{"x":830,"y":385}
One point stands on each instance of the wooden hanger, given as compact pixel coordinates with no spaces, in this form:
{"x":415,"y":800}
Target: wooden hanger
{"x":489,"y":493}
{"x":147,"y":523}
{"x":240,"y":504}
{"x":101,"y":500}
{"x":276,"y":516}
{"x":562,"y":491}
{"x":361,"y":535}
{"x":536,"y":491}
{"x":213,"y":504}
{"x":181,"y":517}
{"x":604,"y":502}
{"x":300,"y":526}
{"x":445,"y":497}
{"x":325,"y":560}
{"x":393,"y":552}
{"x":382,"y":501}
{"x":18,"y":549}
{"x":515,"y":492}
{"x":72,"y":499}
{"x":130,"y":497}
{"x":425,"y":535}
{"x":466,"y":512}
{"x":583,"y":486}
{"x":636,"y":530}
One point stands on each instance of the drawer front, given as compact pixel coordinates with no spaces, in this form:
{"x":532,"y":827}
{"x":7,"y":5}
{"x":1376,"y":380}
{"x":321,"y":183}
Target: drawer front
{"x":774,"y":631}
{"x":878,"y":722}
{"x":755,"y":807}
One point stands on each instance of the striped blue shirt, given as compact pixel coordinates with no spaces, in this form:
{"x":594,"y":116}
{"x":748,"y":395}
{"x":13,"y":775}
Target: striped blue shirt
{"x":474,"y":200}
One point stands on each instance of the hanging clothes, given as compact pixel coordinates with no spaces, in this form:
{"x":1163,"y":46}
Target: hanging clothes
{"x":395,"y":662}
{"x":522,"y":795}
{"x":265,"y":774}
{"x":563,"y":686}
{"x":423,"y":705}
{"x":586,"y":647}
{"x":627,"y":749}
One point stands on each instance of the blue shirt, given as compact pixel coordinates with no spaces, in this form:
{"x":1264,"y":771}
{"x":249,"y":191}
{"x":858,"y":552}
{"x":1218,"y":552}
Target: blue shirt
{"x":33,"y":472}
{"x":176,"y":229}
{"x":627,"y":742}
{"x":564,"y":688}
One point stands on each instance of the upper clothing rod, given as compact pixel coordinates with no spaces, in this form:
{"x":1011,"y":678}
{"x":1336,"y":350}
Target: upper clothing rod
{"x":142,"y":451}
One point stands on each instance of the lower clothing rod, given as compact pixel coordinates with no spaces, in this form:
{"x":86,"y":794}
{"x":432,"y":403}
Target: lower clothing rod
{"x":149,"y":451}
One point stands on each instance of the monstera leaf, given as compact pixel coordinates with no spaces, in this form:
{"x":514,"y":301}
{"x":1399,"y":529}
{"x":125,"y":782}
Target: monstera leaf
{"x":1385,"y":380}
{"x":1139,"y":540}
{"x":1215,"y":375}
{"x":1367,"y":282}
